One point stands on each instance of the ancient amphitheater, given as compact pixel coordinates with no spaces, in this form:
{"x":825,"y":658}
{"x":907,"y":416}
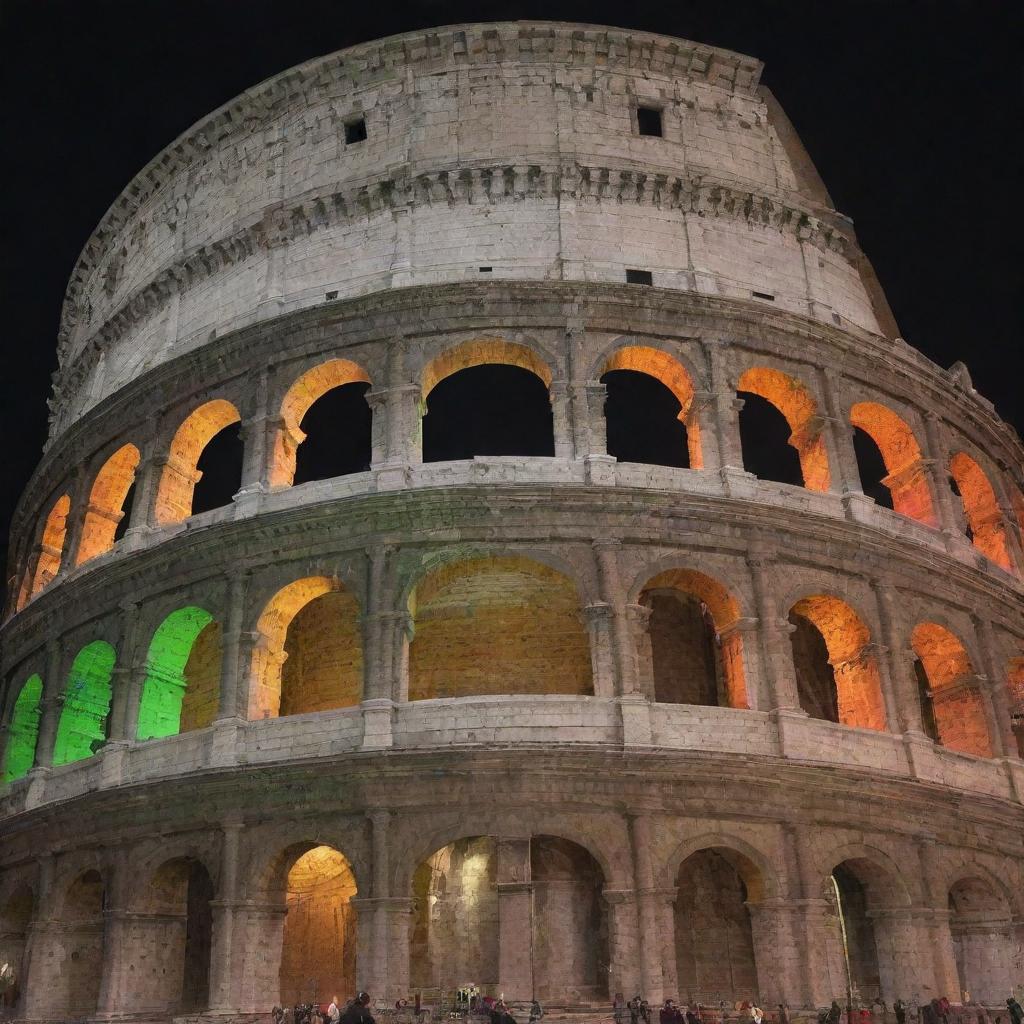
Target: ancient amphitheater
{"x":559,"y":720}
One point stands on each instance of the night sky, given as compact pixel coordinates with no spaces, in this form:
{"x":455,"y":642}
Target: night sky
{"x":911,"y":111}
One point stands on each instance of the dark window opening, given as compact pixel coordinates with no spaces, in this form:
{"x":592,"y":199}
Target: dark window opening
{"x":648,"y":121}
{"x":126,"y":508}
{"x":924,"y":694}
{"x":493,"y":409}
{"x":764,"y":437}
{"x":589,"y":93}
{"x":815,"y":680}
{"x":329,"y":296}
{"x":337,"y":428}
{"x":221,"y":466}
{"x":684,"y":651}
{"x":639,"y":277}
{"x":871,"y":467}
{"x":486,"y":270}
{"x":643,"y":421}
{"x":195,"y":989}
{"x":763,"y":295}
{"x":355,"y":131}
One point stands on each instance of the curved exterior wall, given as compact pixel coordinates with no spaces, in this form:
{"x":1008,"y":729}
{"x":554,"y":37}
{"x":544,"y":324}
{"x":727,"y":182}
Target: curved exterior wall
{"x":260,"y":247}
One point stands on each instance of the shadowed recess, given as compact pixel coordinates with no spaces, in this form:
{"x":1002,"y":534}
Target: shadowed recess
{"x":23,"y":732}
{"x":82,"y":728}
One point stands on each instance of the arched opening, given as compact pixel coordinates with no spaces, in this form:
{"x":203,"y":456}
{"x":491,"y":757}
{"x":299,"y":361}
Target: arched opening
{"x":487,"y":398}
{"x":696,"y":653}
{"x":1015,"y":680}
{"x":23,"y":731}
{"x":497,"y":626}
{"x":15,"y":919}
{"x":318,"y":950}
{"x":325,"y":425}
{"x":951,"y":703}
{"x":901,"y":481}
{"x":981,"y":924}
{"x":764,"y":454}
{"x":108,"y":503}
{"x":181,"y":691}
{"x":650,"y":397}
{"x":188,"y":463}
{"x":836,"y":670}
{"x":981,"y":509}
{"x":51,"y":546}
{"x":716,"y":956}
{"x":75,"y":988}
{"x":82,"y":728}
{"x":310,"y":654}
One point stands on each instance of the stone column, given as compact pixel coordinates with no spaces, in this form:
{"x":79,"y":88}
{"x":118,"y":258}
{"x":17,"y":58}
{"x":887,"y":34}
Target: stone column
{"x":838,"y":434}
{"x":724,"y":406}
{"x":900,"y":660}
{"x":38,"y":960}
{"x":79,"y":492}
{"x":123,"y":677}
{"x":380,"y":821}
{"x":949,"y":511}
{"x":147,"y":480}
{"x":778,"y":955}
{"x":256,"y":444}
{"x":515,"y":918}
{"x":233,"y":700}
{"x":590,"y":398}
{"x":902,"y":940}
{"x":51,"y":704}
{"x":808,"y":974}
{"x":940,"y":939}
{"x":623,"y":940}
{"x":995,"y":692}
{"x":638,"y":618}
{"x":776,"y":649}
{"x":599,"y":617}
{"x":649,"y":910}
{"x":118,"y":953}
{"x":666,"y":903}
{"x":561,"y":416}
{"x":225,"y":955}
{"x":745,"y":633}
{"x":606,"y":553}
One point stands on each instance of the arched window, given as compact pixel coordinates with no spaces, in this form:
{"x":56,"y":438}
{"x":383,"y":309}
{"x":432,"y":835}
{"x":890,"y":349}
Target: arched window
{"x":650,"y":397}
{"x":108,"y":503}
{"x":82,"y":728}
{"x":984,"y":947}
{"x":51,"y":546}
{"x":182,"y":687}
{"x":325,"y":425}
{"x":23,"y":732}
{"x":74,"y":991}
{"x":176,"y":495}
{"x":984,"y":518}
{"x":793,"y":400}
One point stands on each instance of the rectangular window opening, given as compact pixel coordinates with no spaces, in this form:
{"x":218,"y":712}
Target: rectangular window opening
{"x":486,"y":270}
{"x":648,"y":121}
{"x":639,"y":277}
{"x":763,"y":295}
{"x":330,"y":295}
{"x":355,"y":131}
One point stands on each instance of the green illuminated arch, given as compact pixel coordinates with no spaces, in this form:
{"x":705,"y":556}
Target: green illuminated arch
{"x":164,"y":689}
{"x":83,"y":719}
{"x":23,"y":731}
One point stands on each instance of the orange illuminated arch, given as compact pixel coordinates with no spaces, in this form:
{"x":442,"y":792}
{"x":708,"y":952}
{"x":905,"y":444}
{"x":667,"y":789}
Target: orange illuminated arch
{"x":313,"y":384}
{"x":51,"y":546}
{"x":478,"y":353}
{"x":106,"y":501}
{"x":981,"y":509}
{"x":673,"y":375}
{"x":848,"y":639}
{"x":1015,"y":681}
{"x":725,"y":613}
{"x":794,"y":401}
{"x":180,"y":475}
{"x":907,"y":478}
{"x":956,"y":702}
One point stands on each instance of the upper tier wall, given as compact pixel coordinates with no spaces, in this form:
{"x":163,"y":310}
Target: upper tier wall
{"x":514,"y":147}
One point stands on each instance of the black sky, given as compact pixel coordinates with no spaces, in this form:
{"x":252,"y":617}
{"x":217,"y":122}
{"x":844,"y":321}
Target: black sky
{"x":911,"y":111}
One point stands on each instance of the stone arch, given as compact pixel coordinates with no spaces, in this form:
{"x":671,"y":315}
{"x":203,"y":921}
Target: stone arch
{"x":907,"y":479}
{"x":479,"y":352}
{"x":51,"y":547}
{"x":763,"y":876}
{"x":981,"y":509}
{"x":671,"y":372}
{"x":953,"y":707}
{"x":181,"y":474}
{"x":796,"y":403}
{"x":17,"y":909}
{"x":303,"y":393}
{"x":690,"y":655}
{"x":23,"y":730}
{"x":82,"y":728}
{"x":326,"y":619}
{"x":852,"y":664}
{"x":78,"y":948}
{"x":981,"y":926}
{"x":181,"y":691}
{"x":106,"y":503}
{"x":496,"y":625}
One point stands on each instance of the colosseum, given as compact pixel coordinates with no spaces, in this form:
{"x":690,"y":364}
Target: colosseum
{"x":492,"y":533}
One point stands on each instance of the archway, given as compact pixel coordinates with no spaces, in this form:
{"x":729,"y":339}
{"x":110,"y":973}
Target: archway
{"x":23,"y":731}
{"x":981,"y":923}
{"x":51,"y":546}
{"x":79,"y":948}
{"x":310,"y":654}
{"x":182,"y":687}
{"x":497,"y":625}
{"x":108,"y":503}
{"x":648,"y":409}
{"x":952,"y":705}
{"x":15,"y":920}
{"x":325,"y":425}
{"x":696,"y":653}
{"x":82,"y":728}
{"x":836,"y":671}
{"x":794,"y":401}
{"x":981,"y":509}
{"x":1015,"y":680}
{"x":905,"y":479}
{"x":176,"y":491}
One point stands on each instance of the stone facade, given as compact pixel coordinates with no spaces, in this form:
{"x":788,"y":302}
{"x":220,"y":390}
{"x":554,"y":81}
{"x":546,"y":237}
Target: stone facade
{"x":428,"y":723}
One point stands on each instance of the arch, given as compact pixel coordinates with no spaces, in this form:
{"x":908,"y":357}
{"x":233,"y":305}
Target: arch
{"x":981,"y":927}
{"x":23,"y":731}
{"x":82,"y":728}
{"x":793,"y":399}
{"x":304,"y":392}
{"x":948,"y":689}
{"x":318,"y":664}
{"x":760,"y":875}
{"x":851,"y":663}
{"x":981,"y":509}
{"x":15,"y":921}
{"x":181,"y":473}
{"x":497,"y":625}
{"x":479,"y":352}
{"x":669,"y":371}
{"x":106,"y":503}
{"x":78,"y":947}
{"x":688,"y":659}
{"x":906,"y":479}
{"x":51,"y":546}
{"x":181,"y":691}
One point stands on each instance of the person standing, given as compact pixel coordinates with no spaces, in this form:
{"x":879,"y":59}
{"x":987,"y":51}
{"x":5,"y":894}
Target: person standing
{"x":358,"y":1012}
{"x":1016,"y":1010}
{"x":333,"y":1011}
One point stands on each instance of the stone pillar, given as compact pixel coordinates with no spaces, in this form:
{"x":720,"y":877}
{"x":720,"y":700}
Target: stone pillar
{"x":623,"y":942}
{"x":381,"y":889}
{"x":599,"y":617}
{"x":808,"y":974}
{"x":666,"y":901}
{"x":746,"y":633}
{"x":995,"y":691}
{"x":233,"y":699}
{"x":590,"y":400}
{"x":118,"y":952}
{"x":838,"y":434}
{"x":606,"y":553}
{"x":724,"y":407}
{"x":948,"y":510}
{"x":147,"y":480}
{"x":257,"y":442}
{"x":638,"y":617}
{"x":123,"y":685}
{"x":79,"y":492}
{"x":225,"y":959}
{"x":940,"y":939}
{"x":650,"y":913}
{"x":51,"y":704}
{"x":561,"y":417}
{"x":902,"y":940}
{"x":900,"y":660}
{"x":777,"y":926}
{"x":37,"y":962}
{"x":776,"y":649}
{"x":515,"y":919}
